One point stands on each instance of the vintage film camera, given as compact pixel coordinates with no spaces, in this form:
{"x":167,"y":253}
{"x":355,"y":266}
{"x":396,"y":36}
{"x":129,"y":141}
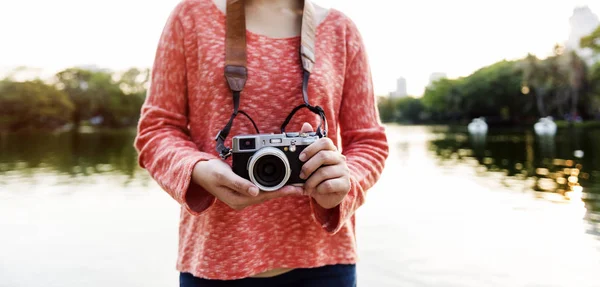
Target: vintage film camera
{"x":270,"y":161}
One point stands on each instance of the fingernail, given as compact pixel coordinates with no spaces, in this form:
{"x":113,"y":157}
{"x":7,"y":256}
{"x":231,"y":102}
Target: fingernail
{"x":253,"y":191}
{"x":301,"y":175}
{"x":302,"y":157}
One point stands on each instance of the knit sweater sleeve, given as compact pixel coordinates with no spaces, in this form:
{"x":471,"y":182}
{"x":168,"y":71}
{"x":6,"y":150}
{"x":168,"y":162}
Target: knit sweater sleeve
{"x":364,"y":141}
{"x":163,"y":142}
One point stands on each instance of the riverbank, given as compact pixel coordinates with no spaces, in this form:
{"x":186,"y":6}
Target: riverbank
{"x":582,"y":124}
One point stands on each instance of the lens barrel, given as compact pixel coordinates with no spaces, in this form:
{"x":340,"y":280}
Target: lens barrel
{"x":269,"y":169}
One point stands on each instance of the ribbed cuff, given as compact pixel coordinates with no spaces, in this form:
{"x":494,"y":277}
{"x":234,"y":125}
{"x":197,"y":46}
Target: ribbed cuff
{"x":194,"y":198}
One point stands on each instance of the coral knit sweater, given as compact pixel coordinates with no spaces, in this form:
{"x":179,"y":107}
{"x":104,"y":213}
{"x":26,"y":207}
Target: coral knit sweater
{"x":189,"y":102}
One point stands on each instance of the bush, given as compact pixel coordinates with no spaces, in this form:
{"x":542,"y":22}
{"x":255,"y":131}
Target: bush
{"x":33,"y":105}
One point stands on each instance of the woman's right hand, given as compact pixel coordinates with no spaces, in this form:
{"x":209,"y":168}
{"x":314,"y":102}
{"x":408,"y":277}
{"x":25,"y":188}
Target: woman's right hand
{"x":216,"y":177}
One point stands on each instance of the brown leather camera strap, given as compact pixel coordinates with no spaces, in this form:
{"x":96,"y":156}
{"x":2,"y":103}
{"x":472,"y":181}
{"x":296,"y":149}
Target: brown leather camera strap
{"x":235,"y":42}
{"x":236,"y":71}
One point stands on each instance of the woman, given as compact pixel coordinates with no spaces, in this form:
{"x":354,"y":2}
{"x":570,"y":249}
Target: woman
{"x":231,"y":233}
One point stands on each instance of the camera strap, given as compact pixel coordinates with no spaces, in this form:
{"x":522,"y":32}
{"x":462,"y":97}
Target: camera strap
{"x":236,"y":71}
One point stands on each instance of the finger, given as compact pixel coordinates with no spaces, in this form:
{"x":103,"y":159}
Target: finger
{"x":287,"y":190}
{"x":340,"y":185}
{"x":233,"y":199}
{"x":324,"y":157}
{"x":314,"y":148}
{"x":238,"y":201}
{"x":237,"y":183}
{"x":306,"y":128}
{"x":322,"y":174}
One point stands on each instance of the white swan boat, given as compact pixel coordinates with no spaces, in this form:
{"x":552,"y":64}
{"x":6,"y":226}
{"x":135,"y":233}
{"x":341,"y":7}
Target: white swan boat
{"x":545,"y":127}
{"x":478,"y":126}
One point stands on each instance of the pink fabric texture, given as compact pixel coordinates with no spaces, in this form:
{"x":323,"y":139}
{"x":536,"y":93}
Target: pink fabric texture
{"x":189,"y":101}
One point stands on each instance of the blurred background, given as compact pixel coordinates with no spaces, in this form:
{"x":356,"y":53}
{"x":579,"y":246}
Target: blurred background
{"x":492,"y":110}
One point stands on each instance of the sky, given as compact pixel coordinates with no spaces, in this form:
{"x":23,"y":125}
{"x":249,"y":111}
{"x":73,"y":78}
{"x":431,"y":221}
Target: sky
{"x":409,"y":39}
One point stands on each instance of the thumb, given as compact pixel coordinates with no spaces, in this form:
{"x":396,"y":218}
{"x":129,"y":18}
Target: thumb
{"x":239,"y":184}
{"x":306,"y":128}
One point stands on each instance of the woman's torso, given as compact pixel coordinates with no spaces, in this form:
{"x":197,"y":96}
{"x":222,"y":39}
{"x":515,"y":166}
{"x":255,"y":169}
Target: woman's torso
{"x":279,"y":232}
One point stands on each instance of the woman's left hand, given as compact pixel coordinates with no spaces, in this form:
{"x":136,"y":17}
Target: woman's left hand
{"x":325,"y":170}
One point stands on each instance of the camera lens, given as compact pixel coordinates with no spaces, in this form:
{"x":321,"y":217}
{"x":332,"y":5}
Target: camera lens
{"x":269,"y":169}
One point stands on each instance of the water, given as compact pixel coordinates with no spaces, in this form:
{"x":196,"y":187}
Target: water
{"x":510,"y":209}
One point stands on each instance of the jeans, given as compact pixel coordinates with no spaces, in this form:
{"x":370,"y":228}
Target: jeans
{"x":331,"y":276}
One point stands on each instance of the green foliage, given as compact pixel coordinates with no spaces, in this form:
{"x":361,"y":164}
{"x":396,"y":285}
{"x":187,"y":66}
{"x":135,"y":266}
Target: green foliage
{"x":592,"y":41}
{"x":558,"y":83}
{"x":33,"y":105}
{"x":594,"y":88}
{"x":403,"y":110}
{"x":561,"y":85}
{"x":101,"y":97}
{"x":493,"y":92}
{"x":441,"y":97}
{"x":511,"y":92}
{"x":98,"y":94}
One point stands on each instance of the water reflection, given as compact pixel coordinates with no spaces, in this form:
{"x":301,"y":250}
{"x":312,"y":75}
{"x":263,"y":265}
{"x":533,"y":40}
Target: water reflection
{"x":69,"y":157}
{"x":546,"y":145}
{"x":478,"y":143}
{"x":562,"y":168}
{"x":453,"y":209}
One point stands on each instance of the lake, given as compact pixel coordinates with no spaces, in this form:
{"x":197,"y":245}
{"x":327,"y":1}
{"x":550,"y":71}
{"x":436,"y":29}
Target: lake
{"x":506,"y":209}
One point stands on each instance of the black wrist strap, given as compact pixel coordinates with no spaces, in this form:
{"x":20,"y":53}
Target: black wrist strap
{"x":322,"y":128}
{"x":224,"y":151}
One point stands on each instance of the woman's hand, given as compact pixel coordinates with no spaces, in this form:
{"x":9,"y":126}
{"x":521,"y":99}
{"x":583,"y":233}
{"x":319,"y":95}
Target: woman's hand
{"x":216,"y":177}
{"x":328,"y":176}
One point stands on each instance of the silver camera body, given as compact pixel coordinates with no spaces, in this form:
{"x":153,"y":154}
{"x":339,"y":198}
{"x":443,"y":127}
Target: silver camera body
{"x":270,"y":161}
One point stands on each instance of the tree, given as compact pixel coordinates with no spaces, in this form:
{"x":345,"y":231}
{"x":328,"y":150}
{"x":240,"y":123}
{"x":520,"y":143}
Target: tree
{"x":577,"y":77}
{"x":386,"y":109}
{"x":535,"y":77}
{"x":33,"y":104}
{"x":558,"y":82}
{"x":134,"y":81}
{"x":592,"y":41}
{"x":400,"y":110}
{"x":442,"y":98}
{"x":113,"y":101}
{"x":76,"y":84}
{"x":409,"y":110}
{"x":495,"y":92}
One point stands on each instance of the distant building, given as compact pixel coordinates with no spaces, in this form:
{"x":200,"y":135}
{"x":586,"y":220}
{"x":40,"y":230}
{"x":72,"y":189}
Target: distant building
{"x":400,"y":89}
{"x":436,"y":76}
{"x":582,"y":23}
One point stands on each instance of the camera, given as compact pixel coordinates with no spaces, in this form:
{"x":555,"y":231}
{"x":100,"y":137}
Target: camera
{"x":270,"y":161}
